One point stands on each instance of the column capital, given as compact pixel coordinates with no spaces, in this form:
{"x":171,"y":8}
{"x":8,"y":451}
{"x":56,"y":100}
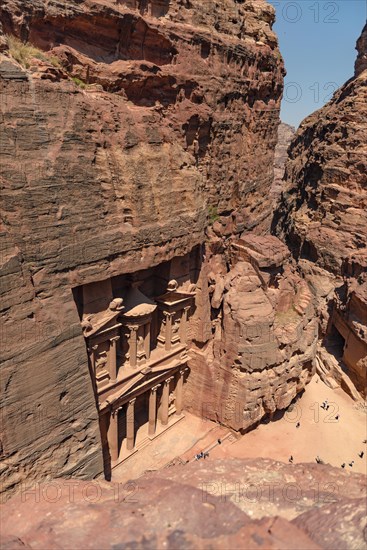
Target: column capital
{"x":155,"y":388}
{"x":132,"y":401}
{"x":168,"y":380}
{"x":168,"y":314}
{"x":115,"y":339}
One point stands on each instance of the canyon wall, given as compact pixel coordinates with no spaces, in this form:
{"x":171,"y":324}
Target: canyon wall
{"x":126,"y":127}
{"x":323,"y":219}
{"x":285,"y":135}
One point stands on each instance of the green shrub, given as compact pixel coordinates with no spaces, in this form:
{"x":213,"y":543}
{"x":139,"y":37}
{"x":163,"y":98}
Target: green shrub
{"x":54,"y":61}
{"x":213,"y":214}
{"x":79,"y":82}
{"x":23,"y":52}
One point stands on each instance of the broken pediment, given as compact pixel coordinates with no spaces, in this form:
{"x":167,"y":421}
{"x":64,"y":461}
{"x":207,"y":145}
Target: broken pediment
{"x":95,"y":323}
{"x":137,"y":305}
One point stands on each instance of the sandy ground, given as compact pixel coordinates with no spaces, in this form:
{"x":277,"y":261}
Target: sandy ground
{"x":183,"y":440}
{"x":319,"y":433}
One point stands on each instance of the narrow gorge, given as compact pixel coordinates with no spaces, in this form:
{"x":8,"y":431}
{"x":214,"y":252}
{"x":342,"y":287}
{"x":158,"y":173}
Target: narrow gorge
{"x":173,"y":276}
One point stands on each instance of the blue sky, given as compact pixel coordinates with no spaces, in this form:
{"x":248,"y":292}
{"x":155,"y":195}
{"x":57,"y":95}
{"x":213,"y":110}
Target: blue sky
{"x":317,"y":39}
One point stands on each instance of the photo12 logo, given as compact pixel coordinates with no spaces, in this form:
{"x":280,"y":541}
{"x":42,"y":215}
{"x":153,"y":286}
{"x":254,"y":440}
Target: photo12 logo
{"x":72,"y":491}
{"x":316,"y":12}
{"x":321,"y":92}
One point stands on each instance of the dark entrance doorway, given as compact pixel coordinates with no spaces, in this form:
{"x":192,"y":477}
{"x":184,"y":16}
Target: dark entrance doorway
{"x":335,"y":343}
{"x":141,"y":416}
{"x":122,"y":426}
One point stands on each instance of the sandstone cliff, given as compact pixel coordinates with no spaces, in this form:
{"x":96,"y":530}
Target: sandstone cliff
{"x":323,"y":215}
{"x":213,"y":505}
{"x":124,"y":124}
{"x":258,"y":350}
{"x":285,"y":136}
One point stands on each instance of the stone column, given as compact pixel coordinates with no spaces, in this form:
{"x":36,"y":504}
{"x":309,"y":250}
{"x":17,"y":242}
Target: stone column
{"x":113,"y":436}
{"x":112,"y":358}
{"x":183,"y":325}
{"x":147,"y":340}
{"x":130,"y":425}
{"x":92,"y":355}
{"x":152,"y":409}
{"x":165,"y":402}
{"x":179,"y":387}
{"x":133,"y":345}
{"x":168,"y":330}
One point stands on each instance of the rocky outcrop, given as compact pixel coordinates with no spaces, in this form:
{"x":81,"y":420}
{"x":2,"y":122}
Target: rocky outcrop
{"x":323,"y":216}
{"x":285,"y":135}
{"x":126,"y":127}
{"x":361,"y":63}
{"x":262,"y":351}
{"x":216,"y":504}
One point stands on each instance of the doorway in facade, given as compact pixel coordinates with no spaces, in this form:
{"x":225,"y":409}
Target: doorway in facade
{"x":122,"y":429}
{"x":141,"y":422}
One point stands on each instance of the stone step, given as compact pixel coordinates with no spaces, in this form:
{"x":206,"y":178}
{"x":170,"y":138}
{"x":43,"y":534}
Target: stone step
{"x":201,"y":445}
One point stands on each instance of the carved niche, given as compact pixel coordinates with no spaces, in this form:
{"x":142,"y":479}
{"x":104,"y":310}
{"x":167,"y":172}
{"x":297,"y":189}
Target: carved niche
{"x":174,"y":309}
{"x":102,"y":332}
{"x":136,"y":326}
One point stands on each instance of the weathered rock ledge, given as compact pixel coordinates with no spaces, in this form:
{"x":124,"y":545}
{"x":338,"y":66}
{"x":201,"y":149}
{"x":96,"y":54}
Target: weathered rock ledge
{"x":216,"y":504}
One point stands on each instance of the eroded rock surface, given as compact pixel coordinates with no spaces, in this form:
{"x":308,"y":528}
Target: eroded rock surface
{"x":126,"y":126}
{"x":285,"y":135}
{"x":216,"y":504}
{"x":323,"y":216}
{"x":261,"y":353}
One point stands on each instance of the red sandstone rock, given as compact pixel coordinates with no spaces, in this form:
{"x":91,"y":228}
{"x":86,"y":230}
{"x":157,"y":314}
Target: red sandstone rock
{"x":338,"y":526}
{"x":323,"y":217}
{"x":361,"y":62}
{"x":324,"y":203}
{"x":285,"y":135}
{"x":111,"y":153}
{"x":216,"y":504}
{"x":265,"y":335}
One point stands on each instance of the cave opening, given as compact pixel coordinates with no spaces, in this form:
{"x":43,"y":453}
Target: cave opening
{"x":335,"y":343}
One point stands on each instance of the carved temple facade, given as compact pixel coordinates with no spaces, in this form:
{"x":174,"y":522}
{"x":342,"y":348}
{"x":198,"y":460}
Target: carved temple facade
{"x":137,"y":349}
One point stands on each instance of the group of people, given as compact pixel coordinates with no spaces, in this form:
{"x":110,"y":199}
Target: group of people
{"x":361,"y":455}
{"x":325,"y":405}
{"x":203,"y":454}
{"x":320,"y":461}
